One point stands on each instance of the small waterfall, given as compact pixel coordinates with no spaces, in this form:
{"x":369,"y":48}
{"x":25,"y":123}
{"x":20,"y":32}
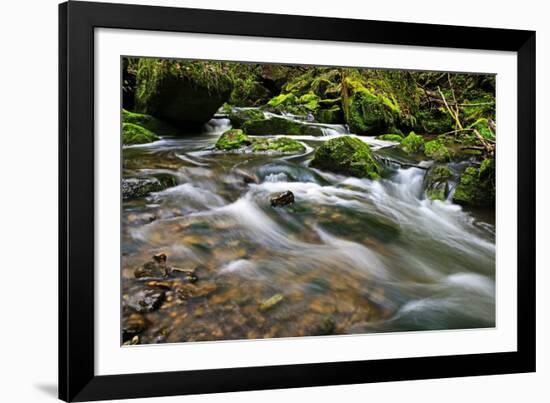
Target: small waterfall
{"x":216,"y":126}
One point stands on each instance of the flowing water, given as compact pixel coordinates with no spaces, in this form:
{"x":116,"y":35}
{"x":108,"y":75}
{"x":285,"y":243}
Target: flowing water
{"x":349,"y":256}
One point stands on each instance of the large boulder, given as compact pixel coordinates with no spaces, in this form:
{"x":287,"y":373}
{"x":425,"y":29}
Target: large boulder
{"x":347,"y":155}
{"x":186,"y":94}
{"x":477,"y":185}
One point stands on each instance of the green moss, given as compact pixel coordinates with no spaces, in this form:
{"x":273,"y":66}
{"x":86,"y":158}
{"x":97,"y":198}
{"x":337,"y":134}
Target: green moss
{"x":135,"y":134}
{"x":390,"y":137}
{"x":347,"y":155}
{"x":232,"y":140}
{"x":148,"y":122}
{"x":436,"y":182}
{"x":239,"y":117}
{"x":482,"y":126}
{"x":413,"y":143}
{"x":435,"y":150}
{"x":277,"y":125}
{"x":477,"y":185}
{"x":279,"y":144}
{"x":282,"y":100}
{"x":309,"y":101}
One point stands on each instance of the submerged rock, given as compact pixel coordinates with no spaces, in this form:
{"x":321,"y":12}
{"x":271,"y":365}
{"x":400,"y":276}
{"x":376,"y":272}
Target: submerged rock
{"x":282,"y":199}
{"x":156,"y":267}
{"x":477,"y":185}
{"x":132,"y":325}
{"x":412,"y":144}
{"x":437,"y":151}
{"x":133,"y":188}
{"x":233,"y":139}
{"x":135,"y":134}
{"x":347,"y":155}
{"x":436,"y":182}
{"x":271,"y":302}
{"x":185,"y":93}
{"x":146,"y":300}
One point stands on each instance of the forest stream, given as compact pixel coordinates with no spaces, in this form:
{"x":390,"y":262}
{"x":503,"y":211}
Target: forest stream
{"x":349,"y":255}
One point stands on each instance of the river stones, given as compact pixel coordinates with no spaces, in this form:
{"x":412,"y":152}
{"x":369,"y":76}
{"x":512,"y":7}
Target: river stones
{"x":145,"y":301}
{"x":132,"y":325}
{"x":282,"y":199}
{"x":134,"y":188}
{"x":156,"y":267}
{"x":349,"y":156}
{"x":271,"y":302}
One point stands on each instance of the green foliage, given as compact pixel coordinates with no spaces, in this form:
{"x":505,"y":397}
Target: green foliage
{"x":435,"y":150}
{"x":390,"y":137}
{"x":347,"y":155}
{"x":232,"y":140}
{"x":279,"y":144}
{"x":477,"y":185}
{"x":412,"y":144}
{"x":135,"y":134}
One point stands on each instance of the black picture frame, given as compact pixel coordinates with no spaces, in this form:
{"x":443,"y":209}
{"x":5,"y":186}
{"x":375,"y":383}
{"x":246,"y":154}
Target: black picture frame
{"x":77,"y":21}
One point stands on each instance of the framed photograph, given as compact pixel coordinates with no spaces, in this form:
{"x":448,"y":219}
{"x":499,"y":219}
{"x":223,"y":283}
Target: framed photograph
{"x":258,"y":201}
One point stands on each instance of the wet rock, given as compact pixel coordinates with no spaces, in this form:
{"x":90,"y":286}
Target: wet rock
{"x":240,"y":116}
{"x":436,"y":182}
{"x":347,"y":155}
{"x":271,"y":302}
{"x":279,"y":125}
{"x":132,"y":325}
{"x":133,"y":341}
{"x":133,"y":188}
{"x":232,"y":140}
{"x":136,"y":134}
{"x":279,"y":144}
{"x":477,"y":185}
{"x":146,"y":300}
{"x":282,"y":199}
{"x":156,"y":267}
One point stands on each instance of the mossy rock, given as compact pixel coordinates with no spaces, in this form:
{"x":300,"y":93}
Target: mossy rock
{"x":436,"y":182}
{"x":135,"y":134}
{"x":477,"y":185}
{"x":239,"y":117}
{"x":278,"y":125}
{"x":282,"y":100}
{"x":186,"y":94}
{"x":148,"y":122}
{"x":332,"y":115}
{"x":309,"y":101}
{"x":412,"y":144}
{"x":390,"y":137}
{"x":347,"y":155}
{"x":437,"y":151}
{"x":232,"y":140}
{"x":278,"y":144}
